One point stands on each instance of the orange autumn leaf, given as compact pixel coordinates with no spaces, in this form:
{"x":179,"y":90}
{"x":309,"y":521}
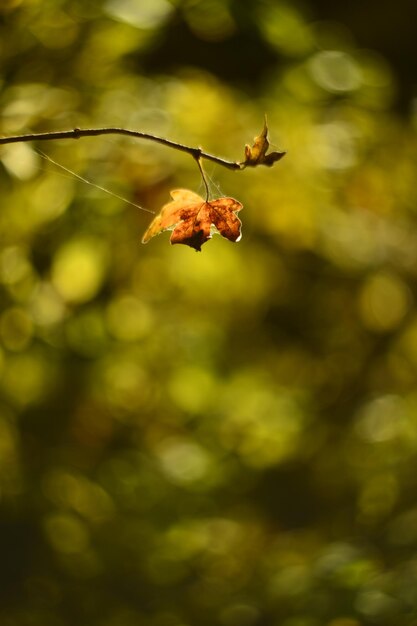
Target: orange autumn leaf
{"x":191,"y":219}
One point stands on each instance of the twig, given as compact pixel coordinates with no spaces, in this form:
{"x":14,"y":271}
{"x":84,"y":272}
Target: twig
{"x":77,"y":133}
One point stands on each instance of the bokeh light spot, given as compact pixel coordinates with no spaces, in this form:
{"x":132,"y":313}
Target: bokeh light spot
{"x":285,"y":29}
{"x":79,"y":269}
{"x":128,"y":319}
{"x":191,"y":388}
{"x":47,"y":306}
{"x":210,"y":20}
{"x":27,"y":377}
{"x":14,"y":265}
{"x":67,"y":533}
{"x":16,"y":329}
{"x":335,"y":71}
{"x":384,"y":301}
{"x":20,"y":161}
{"x":141,"y":14}
{"x":184,"y":461}
{"x":334,"y":145}
{"x":382,"y":419}
{"x":78,"y":493}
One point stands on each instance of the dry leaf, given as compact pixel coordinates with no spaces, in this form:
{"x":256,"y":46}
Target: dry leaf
{"x":191,"y":218}
{"x":257,"y":155}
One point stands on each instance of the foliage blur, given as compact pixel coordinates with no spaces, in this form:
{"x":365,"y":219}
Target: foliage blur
{"x":226,"y":437}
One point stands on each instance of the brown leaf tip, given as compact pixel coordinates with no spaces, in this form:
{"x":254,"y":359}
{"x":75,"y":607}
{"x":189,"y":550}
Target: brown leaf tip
{"x":257,"y":154}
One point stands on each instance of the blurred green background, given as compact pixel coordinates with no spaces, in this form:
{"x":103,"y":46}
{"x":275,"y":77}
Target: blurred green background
{"x":223,"y":438}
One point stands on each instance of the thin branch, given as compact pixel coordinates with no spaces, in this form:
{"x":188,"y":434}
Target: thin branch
{"x":77,"y":133}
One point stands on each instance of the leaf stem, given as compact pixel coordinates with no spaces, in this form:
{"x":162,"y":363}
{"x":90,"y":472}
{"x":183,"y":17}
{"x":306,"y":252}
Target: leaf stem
{"x":77,"y":133}
{"x":203,"y":176}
